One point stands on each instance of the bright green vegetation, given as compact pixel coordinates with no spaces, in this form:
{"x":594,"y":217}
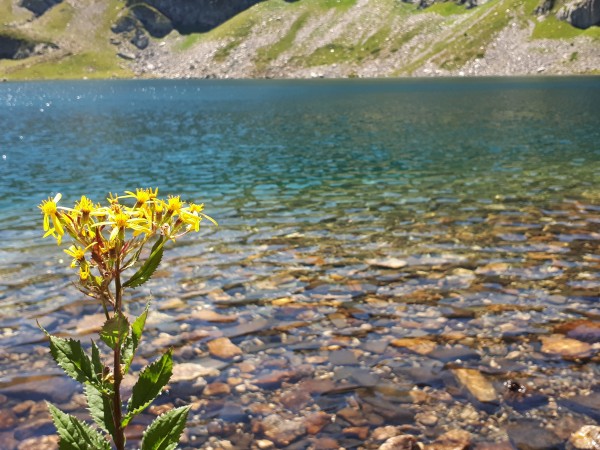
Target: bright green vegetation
{"x":487,"y":22}
{"x":235,"y":39}
{"x":446,"y":9}
{"x":90,"y":56}
{"x":466,"y":43}
{"x":340,"y":52}
{"x":189,"y":41}
{"x":9,"y":14}
{"x":339,"y":4}
{"x":267,"y":54}
{"x":58,"y":18}
{"x":552,"y":28}
{"x":84,"y":65}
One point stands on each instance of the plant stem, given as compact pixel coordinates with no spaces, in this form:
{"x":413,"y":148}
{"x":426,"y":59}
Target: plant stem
{"x":118,"y":376}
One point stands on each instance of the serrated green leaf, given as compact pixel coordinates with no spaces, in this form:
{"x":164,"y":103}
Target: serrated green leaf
{"x":69,"y":355}
{"x":149,"y":384}
{"x":100,"y":409}
{"x":115,"y":330}
{"x":75,"y":434}
{"x":133,"y":339}
{"x":149,"y":267}
{"x":96,"y":361}
{"x":165,"y":431}
{"x":137,"y":328}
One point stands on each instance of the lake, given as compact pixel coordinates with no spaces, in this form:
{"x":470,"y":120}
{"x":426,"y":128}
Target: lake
{"x":390,"y":253}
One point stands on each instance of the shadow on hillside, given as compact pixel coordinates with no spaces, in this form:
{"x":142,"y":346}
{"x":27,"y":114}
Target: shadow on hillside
{"x":196,"y":16}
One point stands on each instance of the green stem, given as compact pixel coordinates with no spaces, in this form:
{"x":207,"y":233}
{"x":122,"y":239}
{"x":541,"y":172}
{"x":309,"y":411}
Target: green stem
{"x":117,"y":412}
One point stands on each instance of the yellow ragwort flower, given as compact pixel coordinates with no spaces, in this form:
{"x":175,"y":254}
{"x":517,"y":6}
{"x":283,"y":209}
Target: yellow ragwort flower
{"x":120,"y":221}
{"x":142,"y":195}
{"x":191,"y":219}
{"x":84,"y":206}
{"x":84,"y":272}
{"x":50,"y":210}
{"x":174,"y":204}
{"x":77,"y":253}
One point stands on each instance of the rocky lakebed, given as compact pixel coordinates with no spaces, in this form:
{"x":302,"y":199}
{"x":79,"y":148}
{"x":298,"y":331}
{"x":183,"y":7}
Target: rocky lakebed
{"x":488,"y":340}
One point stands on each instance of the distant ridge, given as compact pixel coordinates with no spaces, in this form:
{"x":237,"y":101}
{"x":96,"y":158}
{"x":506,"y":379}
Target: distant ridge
{"x":47,"y":39}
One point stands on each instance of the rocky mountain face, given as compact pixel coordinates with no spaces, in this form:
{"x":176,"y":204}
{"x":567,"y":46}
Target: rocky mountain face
{"x":39,"y":7}
{"x":193,"y":16}
{"x":581,"y":13}
{"x":189,"y":16}
{"x":298,"y":38}
{"x":158,"y":18}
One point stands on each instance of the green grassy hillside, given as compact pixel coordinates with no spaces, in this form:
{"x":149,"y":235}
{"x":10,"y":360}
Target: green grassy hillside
{"x":350,"y":37}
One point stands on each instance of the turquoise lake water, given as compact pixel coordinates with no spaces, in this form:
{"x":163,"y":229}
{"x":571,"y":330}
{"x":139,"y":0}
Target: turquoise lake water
{"x":486,"y":190}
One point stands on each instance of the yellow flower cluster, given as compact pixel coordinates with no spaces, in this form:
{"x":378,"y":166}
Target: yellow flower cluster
{"x":110,"y":238}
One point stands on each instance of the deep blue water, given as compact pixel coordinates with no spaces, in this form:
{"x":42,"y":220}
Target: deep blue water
{"x":233,"y":141}
{"x":488,"y":189}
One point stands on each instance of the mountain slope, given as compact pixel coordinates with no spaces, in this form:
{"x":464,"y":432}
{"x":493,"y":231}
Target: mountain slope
{"x":304,"y":38}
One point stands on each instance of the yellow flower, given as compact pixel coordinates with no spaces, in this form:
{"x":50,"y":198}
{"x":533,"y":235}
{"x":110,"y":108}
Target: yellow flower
{"x":50,"y":210}
{"x":159,"y":206}
{"x":85,"y":206}
{"x":112,"y":198}
{"x":77,"y":253}
{"x":174,"y":204}
{"x":120,"y":221}
{"x":142,"y":195}
{"x":194,"y":208}
{"x":191,"y":218}
{"x":84,"y":272}
{"x":83,"y":211}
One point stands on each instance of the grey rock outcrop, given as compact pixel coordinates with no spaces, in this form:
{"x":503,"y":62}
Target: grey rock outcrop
{"x":581,"y":13}
{"x":139,"y":21}
{"x":544,"y":7}
{"x":38,"y":7}
{"x":197,"y":15}
{"x":156,"y":23}
{"x":21,"y":48}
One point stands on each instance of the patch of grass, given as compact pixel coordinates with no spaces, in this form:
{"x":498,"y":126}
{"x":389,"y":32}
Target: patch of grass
{"x":400,"y":39}
{"x":446,"y":9}
{"x":470,"y":42}
{"x":111,"y":13}
{"x":475,"y":39}
{"x":9,"y":14}
{"x":238,"y":35}
{"x":339,"y":52}
{"x":552,"y":28}
{"x":189,"y":40}
{"x":268,"y":54}
{"x":6,"y":11}
{"x":339,"y":4}
{"x":84,"y":65}
{"x":329,"y":54}
{"x":55,"y":21}
{"x":325,"y":4}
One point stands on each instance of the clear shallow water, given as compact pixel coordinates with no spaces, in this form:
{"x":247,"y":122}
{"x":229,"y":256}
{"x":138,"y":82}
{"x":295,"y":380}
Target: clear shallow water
{"x":465,"y":212}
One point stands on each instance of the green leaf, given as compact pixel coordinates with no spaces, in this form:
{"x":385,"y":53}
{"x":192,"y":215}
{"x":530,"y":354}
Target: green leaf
{"x":149,"y":384}
{"x":149,"y":267}
{"x":69,"y":355}
{"x":133,"y":339}
{"x":100,"y":409}
{"x":165,"y":431}
{"x":75,"y":434}
{"x":137,"y":327}
{"x":115,"y":330}
{"x":96,"y":361}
